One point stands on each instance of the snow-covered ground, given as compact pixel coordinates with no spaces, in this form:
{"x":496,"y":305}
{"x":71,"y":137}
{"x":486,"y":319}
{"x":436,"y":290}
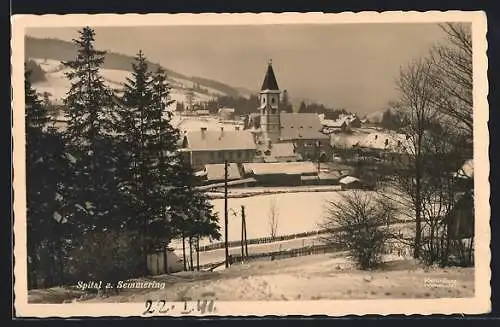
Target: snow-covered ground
{"x":315,"y":277}
{"x":297,"y":213}
{"x":253,"y":191}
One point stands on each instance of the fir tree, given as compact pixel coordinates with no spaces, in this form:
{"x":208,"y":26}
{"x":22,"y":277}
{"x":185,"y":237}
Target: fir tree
{"x":36,"y":113}
{"x":303,"y":107}
{"x":44,"y":150}
{"x":93,"y":198}
{"x":156,"y":181}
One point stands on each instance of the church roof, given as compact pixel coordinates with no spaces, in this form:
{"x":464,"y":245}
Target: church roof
{"x":270,"y":82}
{"x":296,"y":126}
{"x":211,"y":140}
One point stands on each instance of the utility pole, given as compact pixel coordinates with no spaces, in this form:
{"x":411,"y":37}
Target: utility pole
{"x":198,"y":253}
{"x":318,"y":151}
{"x":225,"y":214}
{"x":244,"y":222}
{"x":242,"y":233}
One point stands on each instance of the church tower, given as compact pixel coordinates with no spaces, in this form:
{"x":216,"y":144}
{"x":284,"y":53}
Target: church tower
{"x":269,"y":106}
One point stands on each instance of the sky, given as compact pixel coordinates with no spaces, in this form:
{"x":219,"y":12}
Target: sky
{"x":353,"y":66}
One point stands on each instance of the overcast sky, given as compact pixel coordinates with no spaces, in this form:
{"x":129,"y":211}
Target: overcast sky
{"x":343,"y":65}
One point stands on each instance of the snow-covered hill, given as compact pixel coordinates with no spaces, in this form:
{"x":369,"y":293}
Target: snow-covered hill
{"x":56,"y":83}
{"x":376,"y":116}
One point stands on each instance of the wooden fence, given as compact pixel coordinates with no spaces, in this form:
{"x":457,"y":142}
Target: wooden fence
{"x":265,"y":240}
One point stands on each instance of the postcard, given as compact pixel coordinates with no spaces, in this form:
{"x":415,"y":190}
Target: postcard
{"x":250,"y":164}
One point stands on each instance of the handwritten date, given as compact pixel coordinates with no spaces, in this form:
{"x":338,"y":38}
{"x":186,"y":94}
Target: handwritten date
{"x":162,"y":307}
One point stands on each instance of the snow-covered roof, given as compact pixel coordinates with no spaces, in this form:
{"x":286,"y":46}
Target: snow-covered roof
{"x":203,"y":140}
{"x":226,"y":110}
{"x":467,"y":170}
{"x":277,"y":150}
{"x":349,"y":180}
{"x":216,"y":172}
{"x":383,"y":140}
{"x":296,"y":126}
{"x":292,"y":168}
{"x":342,"y":120}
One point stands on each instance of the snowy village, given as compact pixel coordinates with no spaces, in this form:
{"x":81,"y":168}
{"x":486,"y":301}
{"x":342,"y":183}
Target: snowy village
{"x":255,"y":196}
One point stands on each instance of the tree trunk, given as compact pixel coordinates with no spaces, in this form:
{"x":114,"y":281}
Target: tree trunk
{"x":198,"y":254}
{"x":191,"y":253}
{"x":184,"y":252}
{"x":418,"y":201}
{"x":165,"y":258}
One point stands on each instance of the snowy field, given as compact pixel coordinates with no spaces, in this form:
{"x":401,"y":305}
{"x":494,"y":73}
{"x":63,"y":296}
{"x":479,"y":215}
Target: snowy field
{"x":297,"y":213}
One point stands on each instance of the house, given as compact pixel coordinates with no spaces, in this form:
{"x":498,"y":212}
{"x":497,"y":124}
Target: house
{"x":350,"y":182}
{"x":304,"y":132}
{"x":466,"y":171}
{"x":278,"y":152}
{"x":205,"y":146}
{"x":156,"y":262}
{"x":345,"y":123}
{"x":280,"y":173}
{"x":460,"y":219}
{"x":389,"y":146}
{"x":202,"y":112}
{"x":216,"y":172}
{"x":226,"y":113}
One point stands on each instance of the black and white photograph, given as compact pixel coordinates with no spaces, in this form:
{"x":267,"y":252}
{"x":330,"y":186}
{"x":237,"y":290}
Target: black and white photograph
{"x":251,"y":164}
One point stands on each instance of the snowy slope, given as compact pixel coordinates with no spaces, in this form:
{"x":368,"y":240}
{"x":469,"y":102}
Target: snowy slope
{"x":57,"y":84}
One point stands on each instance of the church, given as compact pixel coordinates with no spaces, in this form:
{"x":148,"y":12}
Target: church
{"x":282,"y":136}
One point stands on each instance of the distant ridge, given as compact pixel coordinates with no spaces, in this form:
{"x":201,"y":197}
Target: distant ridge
{"x":56,"y":49}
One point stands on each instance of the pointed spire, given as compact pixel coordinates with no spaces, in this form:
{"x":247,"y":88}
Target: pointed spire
{"x":270,"y":82}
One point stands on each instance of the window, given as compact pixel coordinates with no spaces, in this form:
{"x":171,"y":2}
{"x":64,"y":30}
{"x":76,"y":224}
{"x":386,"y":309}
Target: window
{"x":239,"y":154}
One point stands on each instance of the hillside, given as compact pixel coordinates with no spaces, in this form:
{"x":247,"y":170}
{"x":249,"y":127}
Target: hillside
{"x":376,"y":116}
{"x":58,"y":50}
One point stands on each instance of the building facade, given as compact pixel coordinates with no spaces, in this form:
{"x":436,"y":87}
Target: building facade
{"x":215,"y":147}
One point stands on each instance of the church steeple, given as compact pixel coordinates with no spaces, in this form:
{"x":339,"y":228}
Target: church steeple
{"x":270,"y":82}
{"x":269,"y":106}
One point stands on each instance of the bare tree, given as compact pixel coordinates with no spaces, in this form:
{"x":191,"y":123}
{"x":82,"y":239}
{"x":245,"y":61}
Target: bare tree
{"x":364,"y":220}
{"x":431,"y":152}
{"x":273,"y":218}
{"x":452,"y":74}
{"x":416,"y":102}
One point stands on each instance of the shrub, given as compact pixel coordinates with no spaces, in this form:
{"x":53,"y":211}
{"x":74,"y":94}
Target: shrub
{"x":364,"y":222}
